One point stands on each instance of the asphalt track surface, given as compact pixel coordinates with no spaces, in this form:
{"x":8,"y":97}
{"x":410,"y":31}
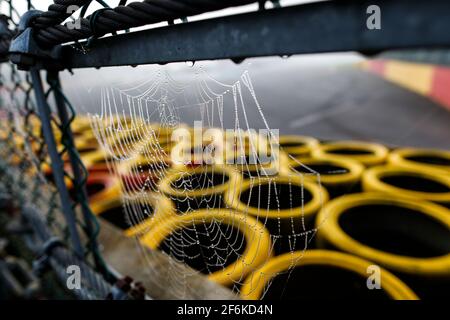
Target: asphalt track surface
{"x":353,"y":104}
{"x":325,"y":96}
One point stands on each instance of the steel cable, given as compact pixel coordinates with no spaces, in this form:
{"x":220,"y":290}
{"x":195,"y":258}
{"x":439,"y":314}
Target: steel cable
{"x":135,"y":14}
{"x":57,"y":12}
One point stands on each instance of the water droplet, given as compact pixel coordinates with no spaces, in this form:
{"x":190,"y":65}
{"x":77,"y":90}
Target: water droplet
{"x":190,"y":63}
{"x":237,"y":60}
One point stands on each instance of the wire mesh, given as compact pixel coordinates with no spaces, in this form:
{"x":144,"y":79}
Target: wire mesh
{"x":28,"y":173}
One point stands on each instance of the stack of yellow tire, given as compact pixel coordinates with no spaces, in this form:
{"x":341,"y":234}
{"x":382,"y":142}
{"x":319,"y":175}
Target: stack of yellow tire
{"x":376,"y":220}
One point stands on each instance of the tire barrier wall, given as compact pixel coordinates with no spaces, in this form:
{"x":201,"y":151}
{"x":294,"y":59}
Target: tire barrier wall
{"x":253,"y":247}
{"x":406,"y":236}
{"x":320,"y":170}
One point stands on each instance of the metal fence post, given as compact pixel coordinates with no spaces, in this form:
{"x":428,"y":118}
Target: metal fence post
{"x":56,"y":162}
{"x":77,"y":166}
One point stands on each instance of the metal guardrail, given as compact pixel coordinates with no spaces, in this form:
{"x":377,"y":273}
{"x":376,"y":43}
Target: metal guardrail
{"x":330,"y":26}
{"x":326,"y":26}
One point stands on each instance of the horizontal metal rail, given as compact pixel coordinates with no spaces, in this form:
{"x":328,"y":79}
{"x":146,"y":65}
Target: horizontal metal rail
{"x":330,"y":26}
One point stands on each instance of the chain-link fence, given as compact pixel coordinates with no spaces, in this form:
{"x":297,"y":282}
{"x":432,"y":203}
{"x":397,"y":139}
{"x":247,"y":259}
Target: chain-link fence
{"x":42,"y":175}
{"x":38,"y":165}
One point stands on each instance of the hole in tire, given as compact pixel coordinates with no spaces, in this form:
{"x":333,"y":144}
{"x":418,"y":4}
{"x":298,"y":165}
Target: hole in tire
{"x":219,"y":246}
{"x":397,"y":230}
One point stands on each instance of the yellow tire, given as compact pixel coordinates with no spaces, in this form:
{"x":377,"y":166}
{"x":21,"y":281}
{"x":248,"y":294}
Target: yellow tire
{"x":411,"y":158}
{"x":257,"y":241}
{"x":338,"y":175}
{"x":135,"y":216}
{"x":46,"y":169}
{"x":87,"y":139}
{"x":403,"y":235}
{"x":81,"y":125}
{"x":97,"y":161}
{"x":200,"y":187}
{"x":244,"y":141}
{"x":254,"y":155}
{"x":416,"y":184}
{"x":164,"y":133}
{"x":327,"y":285}
{"x":369,"y":154}
{"x":287,"y":204}
{"x":194,"y":155}
{"x":82,"y":149}
{"x":142,"y":174}
{"x":298,"y":146}
{"x":254,"y":164}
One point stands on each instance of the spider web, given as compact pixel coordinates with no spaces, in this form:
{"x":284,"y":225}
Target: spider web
{"x":198,"y":181}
